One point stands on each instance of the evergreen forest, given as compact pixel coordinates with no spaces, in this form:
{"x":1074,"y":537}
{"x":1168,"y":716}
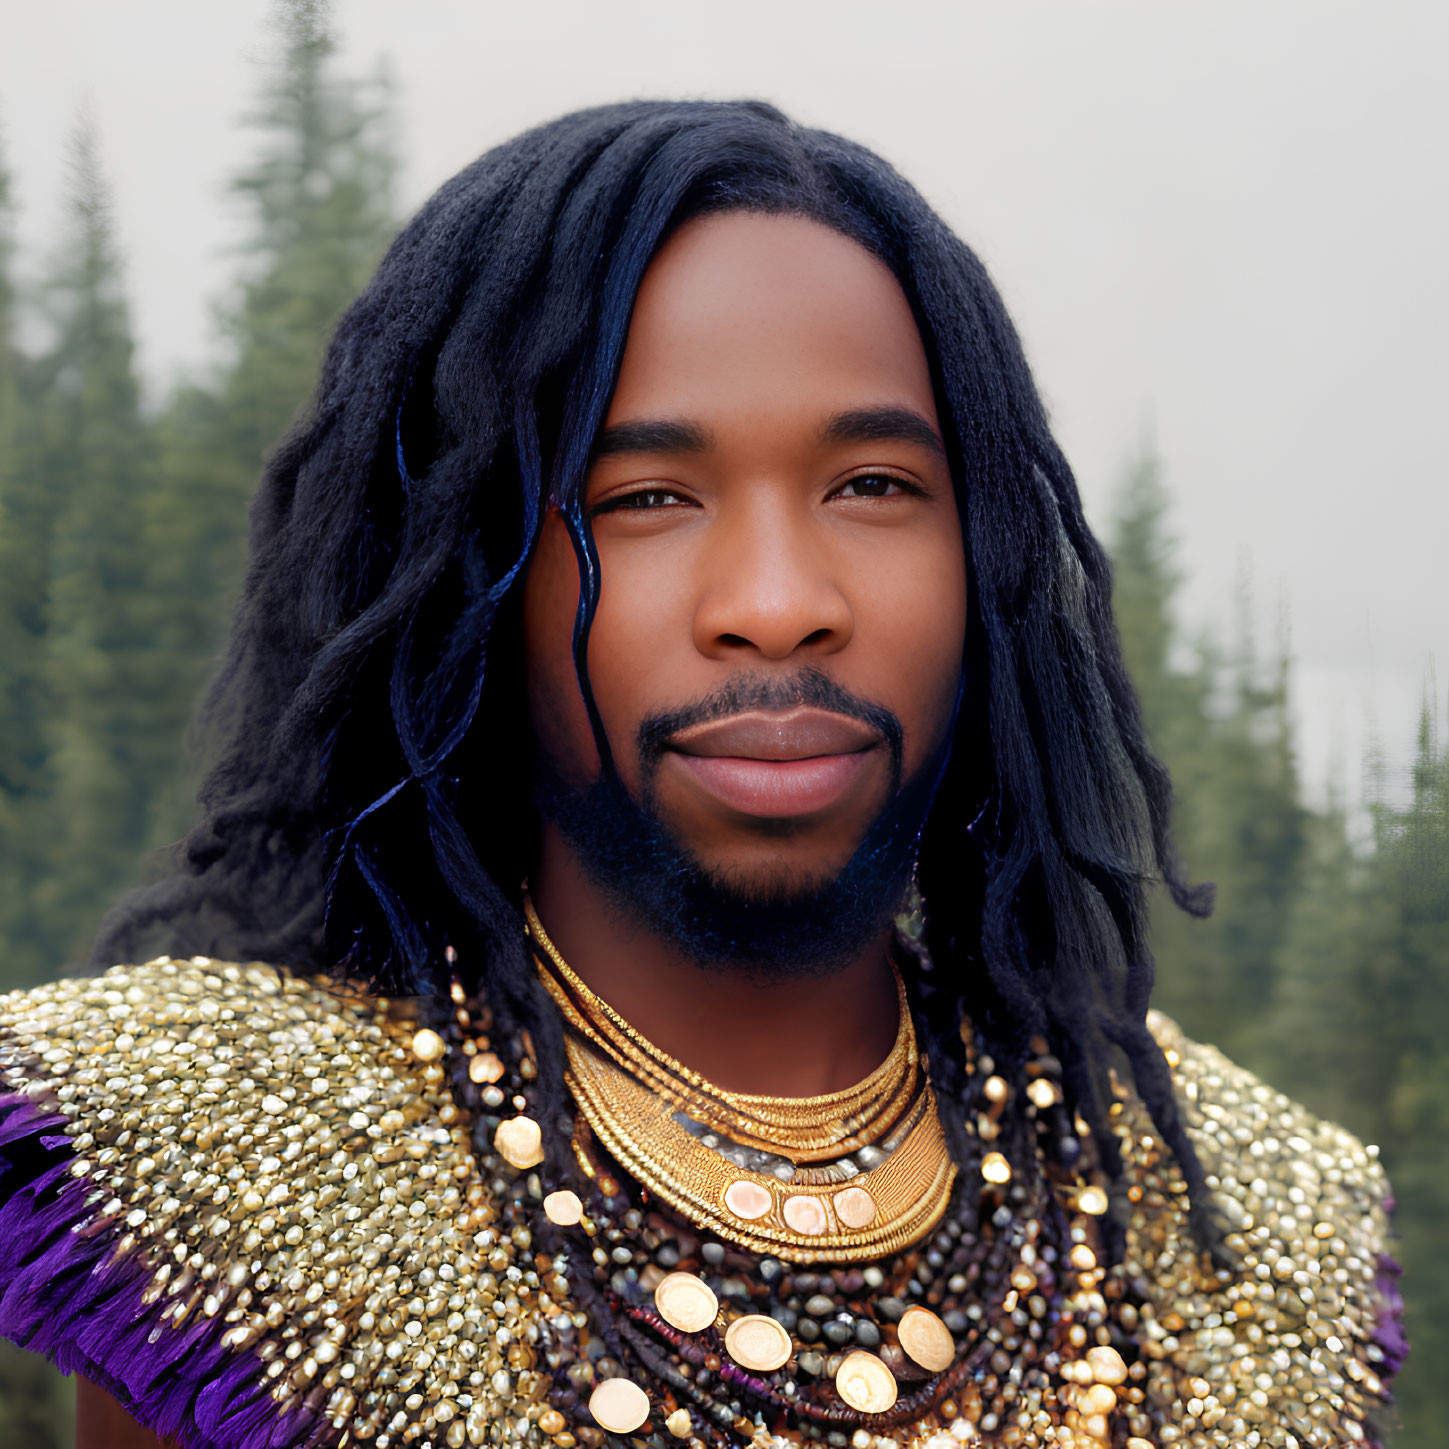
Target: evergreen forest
{"x":1325,"y":967}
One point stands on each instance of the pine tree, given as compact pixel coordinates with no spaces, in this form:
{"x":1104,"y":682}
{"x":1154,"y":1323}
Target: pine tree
{"x":1144,"y":581}
{"x":319,"y":200}
{"x":1223,"y":729}
{"x":1402,"y":1038}
{"x":1360,"y":1025}
{"x":36,"y":1403}
{"x":106,"y":743}
{"x":1250,"y":828}
{"x":121,"y":545}
{"x":24,"y":584}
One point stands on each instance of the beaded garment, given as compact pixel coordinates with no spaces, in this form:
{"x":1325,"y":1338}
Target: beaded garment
{"x":261,"y":1211}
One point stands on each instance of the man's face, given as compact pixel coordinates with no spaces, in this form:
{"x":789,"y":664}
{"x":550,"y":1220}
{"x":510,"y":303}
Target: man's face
{"x":778,"y":642}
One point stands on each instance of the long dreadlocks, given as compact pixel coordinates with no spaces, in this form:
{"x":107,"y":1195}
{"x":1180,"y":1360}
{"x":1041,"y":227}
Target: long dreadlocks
{"x":367,"y":807}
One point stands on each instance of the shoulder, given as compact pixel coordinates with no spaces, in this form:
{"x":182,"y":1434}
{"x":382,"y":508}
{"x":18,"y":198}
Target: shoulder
{"x":1270,"y":1152}
{"x":112,"y":1013}
{"x":1301,"y":1335}
{"x":178,"y":1056}
{"x":244,"y":1203}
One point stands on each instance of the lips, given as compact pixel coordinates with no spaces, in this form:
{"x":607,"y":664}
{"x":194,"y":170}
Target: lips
{"x":776,"y":765}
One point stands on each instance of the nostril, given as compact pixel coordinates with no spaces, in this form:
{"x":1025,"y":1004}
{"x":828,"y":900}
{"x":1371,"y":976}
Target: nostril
{"x":743,"y":641}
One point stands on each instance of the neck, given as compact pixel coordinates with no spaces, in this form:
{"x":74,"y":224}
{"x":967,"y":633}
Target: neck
{"x":796,"y":1037}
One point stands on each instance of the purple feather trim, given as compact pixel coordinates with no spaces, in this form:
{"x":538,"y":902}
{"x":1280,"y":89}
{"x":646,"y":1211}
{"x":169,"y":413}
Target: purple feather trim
{"x":1389,"y":1329}
{"x":65,"y":1293}
{"x":1388,"y":1336}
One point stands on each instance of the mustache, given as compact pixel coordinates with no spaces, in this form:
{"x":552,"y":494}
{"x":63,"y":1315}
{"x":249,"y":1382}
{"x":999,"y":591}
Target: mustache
{"x":778,"y":931}
{"x":810,"y":687}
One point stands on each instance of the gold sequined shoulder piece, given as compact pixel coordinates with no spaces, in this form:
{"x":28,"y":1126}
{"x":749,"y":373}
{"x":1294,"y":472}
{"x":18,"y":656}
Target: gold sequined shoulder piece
{"x":1300,"y":1338}
{"x":280,"y":1175}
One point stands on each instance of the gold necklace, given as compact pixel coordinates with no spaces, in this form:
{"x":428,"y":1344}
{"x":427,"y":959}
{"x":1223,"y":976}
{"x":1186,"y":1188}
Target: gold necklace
{"x":804,"y":1129}
{"x":629,"y":1091}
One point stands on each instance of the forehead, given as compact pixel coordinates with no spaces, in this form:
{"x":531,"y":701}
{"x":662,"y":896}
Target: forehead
{"x":744,"y":317}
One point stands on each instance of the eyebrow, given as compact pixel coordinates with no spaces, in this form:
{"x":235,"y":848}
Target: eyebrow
{"x":652,"y":435}
{"x":858,"y":425}
{"x":887,"y":424}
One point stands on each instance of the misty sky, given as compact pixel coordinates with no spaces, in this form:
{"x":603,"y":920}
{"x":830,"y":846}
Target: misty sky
{"x":1225,"y":225}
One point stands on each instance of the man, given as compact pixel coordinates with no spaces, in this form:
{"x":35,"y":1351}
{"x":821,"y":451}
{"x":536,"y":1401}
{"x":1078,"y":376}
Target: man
{"x":674,"y":663}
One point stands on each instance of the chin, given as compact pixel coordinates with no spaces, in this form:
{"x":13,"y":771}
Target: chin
{"x":765,"y":917}
{"x":773,"y":881}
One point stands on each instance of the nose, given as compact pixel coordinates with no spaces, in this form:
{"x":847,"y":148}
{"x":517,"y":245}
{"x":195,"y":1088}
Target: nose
{"x":769,"y":585}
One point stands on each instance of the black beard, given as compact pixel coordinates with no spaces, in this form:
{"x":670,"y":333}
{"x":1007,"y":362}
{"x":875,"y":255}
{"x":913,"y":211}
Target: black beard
{"x":787,"y":929}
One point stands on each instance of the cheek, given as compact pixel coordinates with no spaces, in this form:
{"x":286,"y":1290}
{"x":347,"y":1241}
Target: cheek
{"x":922,"y":608}
{"x":641,"y":656}
{"x":636,"y":643}
{"x":550,"y":602}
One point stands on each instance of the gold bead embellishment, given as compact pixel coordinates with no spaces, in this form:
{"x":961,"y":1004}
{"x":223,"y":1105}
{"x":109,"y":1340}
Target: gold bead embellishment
{"x":686,"y":1302}
{"x":563,"y":1208}
{"x":619,"y":1406}
{"x":1043,"y":1093}
{"x":631,"y":1095}
{"x":375,"y":1232}
{"x":805,"y":1215}
{"x":519,"y":1142}
{"x":428,"y":1045}
{"x":747,"y":1200}
{"x":855,"y":1207}
{"x":909,"y":1190}
{"x":804,"y":1129}
{"x":1092,"y":1200}
{"x":995,"y":1168}
{"x":342,"y":1232}
{"x":1107,"y":1365}
{"x":865,"y":1383}
{"x":926,"y":1339}
{"x":484,"y":1068}
{"x":758,"y":1343}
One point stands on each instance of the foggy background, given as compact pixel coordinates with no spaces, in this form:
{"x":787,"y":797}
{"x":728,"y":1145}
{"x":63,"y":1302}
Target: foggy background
{"x":1223,"y":226}
{"x":1222,"y":230}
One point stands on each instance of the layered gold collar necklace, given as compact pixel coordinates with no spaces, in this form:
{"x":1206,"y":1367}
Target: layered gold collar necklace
{"x":847,"y":1176}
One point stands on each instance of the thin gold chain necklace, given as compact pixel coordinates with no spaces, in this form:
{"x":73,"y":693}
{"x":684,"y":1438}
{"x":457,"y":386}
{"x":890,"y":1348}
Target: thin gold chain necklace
{"x":629,"y":1091}
{"x":804,"y":1129}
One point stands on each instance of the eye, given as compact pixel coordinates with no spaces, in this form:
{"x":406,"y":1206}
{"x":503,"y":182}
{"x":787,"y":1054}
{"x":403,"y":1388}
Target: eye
{"x":874,"y":485}
{"x":640,"y":499}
